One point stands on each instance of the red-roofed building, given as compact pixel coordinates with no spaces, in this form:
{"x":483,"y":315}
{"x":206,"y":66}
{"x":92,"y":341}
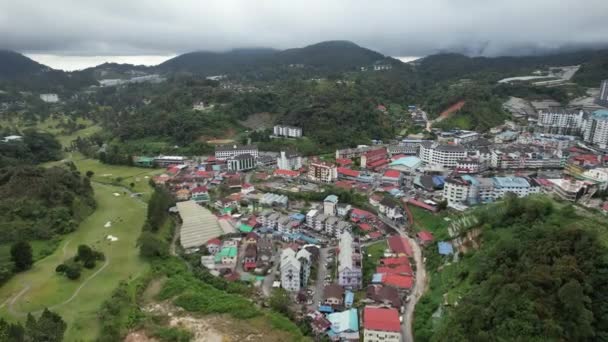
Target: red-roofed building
{"x":394,"y":261}
{"x":381,"y":324}
{"x":213,"y":245}
{"x":365,"y":227}
{"x":247,"y":189}
{"x":378,"y":164}
{"x":392,"y":176}
{"x":403,"y":269}
{"x":204,"y":174}
{"x":400,"y":246}
{"x":425,"y":237}
{"x":421,"y":205}
{"x":375,"y":235}
{"x":347,"y":173}
{"x":286,"y":173}
{"x":347,"y":185}
{"x":371,"y":157}
{"x":401,"y":282}
{"x":344,"y":161}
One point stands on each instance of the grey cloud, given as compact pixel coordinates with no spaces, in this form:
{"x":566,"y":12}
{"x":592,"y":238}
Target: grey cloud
{"x":406,"y":27}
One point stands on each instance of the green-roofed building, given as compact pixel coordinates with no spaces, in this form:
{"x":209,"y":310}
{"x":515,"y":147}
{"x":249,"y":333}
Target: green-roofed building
{"x":143,"y":161}
{"x":226,"y":255}
{"x":245,"y":228}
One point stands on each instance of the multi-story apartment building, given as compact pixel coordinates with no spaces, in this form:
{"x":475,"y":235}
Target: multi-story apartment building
{"x":287,"y":131}
{"x":311,"y":218}
{"x":560,"y":121}
{"x":289,"y":160}
{"x":320,"y":222}
{"x":554,"y":141}
{"x":407,"y":147}
{"x":517,"y":185}
{"x":472,"y":190}
{"x":441,"y":155}
{"x":349,"y":262}
{"x":320,"y":171}
{"x":602,"y":99}
{"x":466,"y":137}
{"x":596,"y":128}
{"x":329,"y":205}
{"x":526,"y":157}
{"x":374,"y":158}
{"x":241,"y":162}
{"x":225,"y":152}
{"x":290,"y":267}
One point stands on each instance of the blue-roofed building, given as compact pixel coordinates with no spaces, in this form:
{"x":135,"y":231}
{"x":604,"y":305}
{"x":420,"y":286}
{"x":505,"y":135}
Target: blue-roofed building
{"x":345,"y":324}
{"x":297,"y":217}
{"x":516,"y":185}
{"x":326,"y":309}
{"x":349,"y":299}
{"x":438,"y":181}
{"x":329,"y":205}
{"x":377,"y":278}
{"x":596,"y":130}
{"x":406,"y":164}
{"x":445,"y":248}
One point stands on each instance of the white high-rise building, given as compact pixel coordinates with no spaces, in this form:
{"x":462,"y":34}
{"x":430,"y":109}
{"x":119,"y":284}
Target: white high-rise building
{"x":287,"y":131}
{"x":596,"y":128}
{"x":561,"y":121}
{"x":289,"y":161}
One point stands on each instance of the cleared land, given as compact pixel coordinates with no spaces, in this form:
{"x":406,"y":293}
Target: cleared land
{"x":78,"y":301}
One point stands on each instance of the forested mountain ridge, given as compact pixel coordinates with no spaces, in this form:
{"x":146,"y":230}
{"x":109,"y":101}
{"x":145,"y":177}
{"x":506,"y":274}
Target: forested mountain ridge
{"x":15,"y":65}
{"x":330,"y":56}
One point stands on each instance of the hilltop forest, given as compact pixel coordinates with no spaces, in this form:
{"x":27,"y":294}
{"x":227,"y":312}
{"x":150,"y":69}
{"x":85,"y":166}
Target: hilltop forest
{"x":541,"y":272}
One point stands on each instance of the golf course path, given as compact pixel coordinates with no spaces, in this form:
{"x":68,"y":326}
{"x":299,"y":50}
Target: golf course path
{"x":27,"y":287}
{"x":66,"y":246}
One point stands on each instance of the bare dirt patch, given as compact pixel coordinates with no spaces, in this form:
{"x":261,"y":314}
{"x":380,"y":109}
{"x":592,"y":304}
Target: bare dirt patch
{"x":259,"y":121}
{"x":210,"y":328}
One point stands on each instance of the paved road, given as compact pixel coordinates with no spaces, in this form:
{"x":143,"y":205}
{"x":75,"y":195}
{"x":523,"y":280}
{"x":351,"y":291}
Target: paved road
{"x":321,"y":273}
{"x":269,"y":279}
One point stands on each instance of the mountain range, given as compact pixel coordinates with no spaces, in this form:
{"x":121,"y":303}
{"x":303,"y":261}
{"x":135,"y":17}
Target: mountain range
{"x":321,"y":58}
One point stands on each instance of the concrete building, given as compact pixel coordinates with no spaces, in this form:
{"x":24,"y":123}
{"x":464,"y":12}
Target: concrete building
{"x":164,"y":161}
{"x":526,"y":157}
{"x":289,"y":161}
{"x":320,"y":171}
{"x":225,"y":152}
{"x":596,"y":128}
{"x":349,"y":262}
{"x":466,"y":137}
{"x":49,"y":98}
{"x":560,"y":121}
{"x":516,"y":185}
{"x":290,"y":271}
{"x":441,"y":155}
{"x":381,"y":325}
{"x":241,"y":162}
{"x":374,"y":158}
{"x":602,"y":99}
{"x":329,"y":205}
{"x":287,"y":131}
{"x":572,"y":190}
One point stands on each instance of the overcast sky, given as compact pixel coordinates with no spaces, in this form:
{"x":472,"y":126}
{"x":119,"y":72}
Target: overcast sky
{"x":393,"y":27}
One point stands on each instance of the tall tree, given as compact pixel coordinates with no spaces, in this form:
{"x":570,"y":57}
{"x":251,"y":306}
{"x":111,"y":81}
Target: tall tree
{"x":21,"y":255}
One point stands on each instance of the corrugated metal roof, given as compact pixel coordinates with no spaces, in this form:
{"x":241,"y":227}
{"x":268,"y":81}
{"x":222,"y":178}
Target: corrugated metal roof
{"x":199,"y":224}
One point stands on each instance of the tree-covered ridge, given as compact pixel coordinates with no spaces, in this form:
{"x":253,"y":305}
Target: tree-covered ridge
{"x":34,"y":148}
{"x":38,"y":203}
{"x":541,"y":274}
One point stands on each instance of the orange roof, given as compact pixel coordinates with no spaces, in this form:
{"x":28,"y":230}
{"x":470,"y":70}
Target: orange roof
{"x":381,"y":319}
{"x":396,"y":280}
{"x":285,"y":172}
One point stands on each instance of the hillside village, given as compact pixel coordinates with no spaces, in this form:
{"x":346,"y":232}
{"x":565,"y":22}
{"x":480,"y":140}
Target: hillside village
{"x":336,"y":232}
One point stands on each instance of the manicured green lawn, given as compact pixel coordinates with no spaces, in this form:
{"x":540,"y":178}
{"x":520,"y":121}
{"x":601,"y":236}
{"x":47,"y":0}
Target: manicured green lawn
{"x":371,"y":256}
{"x":47,"y":289}
{"x":118,"y":174}
{"x":426,"y":220}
